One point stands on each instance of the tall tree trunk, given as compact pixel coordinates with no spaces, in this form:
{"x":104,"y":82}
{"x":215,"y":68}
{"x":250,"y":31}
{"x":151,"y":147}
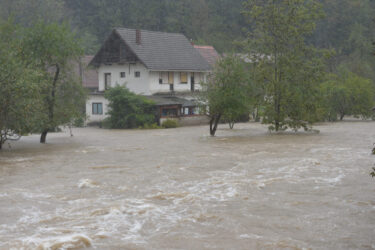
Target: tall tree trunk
{"x":2,"y":140}
{"x":342,"y":116}
{"x":51,"y":105}
{"x":43,"y":136}
{"x":231,"y":125}
{"x":213,"y":124}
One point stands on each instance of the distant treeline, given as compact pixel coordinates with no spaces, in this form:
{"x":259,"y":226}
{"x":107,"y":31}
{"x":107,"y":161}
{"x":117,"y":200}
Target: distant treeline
{"x":348,"y":25}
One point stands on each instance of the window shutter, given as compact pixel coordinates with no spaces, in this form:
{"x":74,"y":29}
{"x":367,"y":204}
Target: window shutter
{"x":183,"y":77}
{"x":170,"y":77}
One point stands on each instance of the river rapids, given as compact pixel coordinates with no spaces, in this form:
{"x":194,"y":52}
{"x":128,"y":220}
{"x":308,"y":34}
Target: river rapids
{"x":182,"y":189}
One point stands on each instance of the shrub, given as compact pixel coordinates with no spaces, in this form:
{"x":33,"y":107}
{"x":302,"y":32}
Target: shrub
{"x":151,"y":126}
{"x":106,"y":124}
{"x":128,"y":110}
{"x":79,"y":122}
{"x":170,"y":124}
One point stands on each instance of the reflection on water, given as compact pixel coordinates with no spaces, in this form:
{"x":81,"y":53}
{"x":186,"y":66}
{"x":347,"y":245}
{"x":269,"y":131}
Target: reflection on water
{"x":180,"y":188}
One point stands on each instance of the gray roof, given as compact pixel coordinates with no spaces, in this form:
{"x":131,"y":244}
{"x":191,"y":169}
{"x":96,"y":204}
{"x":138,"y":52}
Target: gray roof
{"x":160,"y":51}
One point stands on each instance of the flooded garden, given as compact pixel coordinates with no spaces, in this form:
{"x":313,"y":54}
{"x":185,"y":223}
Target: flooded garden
{"x":181,"y":188}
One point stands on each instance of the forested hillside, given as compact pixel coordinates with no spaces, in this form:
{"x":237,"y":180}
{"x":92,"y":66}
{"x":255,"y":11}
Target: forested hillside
{"x":348,"y":25}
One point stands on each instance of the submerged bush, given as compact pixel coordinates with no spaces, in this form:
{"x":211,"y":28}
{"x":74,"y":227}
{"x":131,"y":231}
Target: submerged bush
{"x":151,"y":126}
{"x":128,"y":110}
{"x":79,"y":122}
{"x":170,"y":124}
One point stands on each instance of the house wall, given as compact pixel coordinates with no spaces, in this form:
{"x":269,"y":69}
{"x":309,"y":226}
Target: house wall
{"x":137,"y":85}
{"x":96,"y":99}
{"x":148,"y":82}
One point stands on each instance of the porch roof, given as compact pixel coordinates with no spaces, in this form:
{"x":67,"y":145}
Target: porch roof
{"x":171,"y":100}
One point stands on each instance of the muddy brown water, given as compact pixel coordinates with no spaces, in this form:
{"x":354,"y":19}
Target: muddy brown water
{"x":181,"y":189}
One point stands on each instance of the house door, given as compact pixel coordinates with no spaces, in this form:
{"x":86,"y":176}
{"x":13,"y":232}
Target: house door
{"x":192,"y":82}
{"x":171,"y":87}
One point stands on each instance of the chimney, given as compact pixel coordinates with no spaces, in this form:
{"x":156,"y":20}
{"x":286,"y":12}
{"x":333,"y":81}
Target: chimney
{"x":138,"y":38}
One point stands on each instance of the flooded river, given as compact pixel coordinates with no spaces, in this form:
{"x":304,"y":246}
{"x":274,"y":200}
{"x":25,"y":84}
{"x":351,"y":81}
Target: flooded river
{"x":181,"y":189}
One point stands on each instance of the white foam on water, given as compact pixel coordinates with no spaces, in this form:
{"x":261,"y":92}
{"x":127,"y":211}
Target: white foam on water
{"x":332,"y":180}
{"x":87,"y":183}
{"x":19,"y":159}
{"x":250,"y":236}
{"x":72,"y":241}
{"x":31,"y":216}
{"x":35,"y":195}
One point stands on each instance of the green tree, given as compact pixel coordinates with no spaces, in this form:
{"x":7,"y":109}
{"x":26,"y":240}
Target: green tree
{"x":289,"y":69}
{"x":348,"y":94}
{"x":19,"y":93}
{"x":227,"y":92}
{"x":128,"y":110}
{"x":53,"y":49}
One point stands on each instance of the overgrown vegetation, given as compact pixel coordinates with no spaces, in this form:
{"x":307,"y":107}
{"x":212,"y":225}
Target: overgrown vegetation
{"x":128,"y":110}
{"x":169,"y":124}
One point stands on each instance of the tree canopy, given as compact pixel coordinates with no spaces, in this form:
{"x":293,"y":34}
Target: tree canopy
{"x":53,"y":50}
{"x":19,"y":89}
{"x":227,"y":92}
{"x":348,"y":94}
{"x":286,"y":66}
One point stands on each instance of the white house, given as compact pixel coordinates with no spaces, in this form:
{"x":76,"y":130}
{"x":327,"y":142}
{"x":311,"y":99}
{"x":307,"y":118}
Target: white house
{"x":164,"y":67}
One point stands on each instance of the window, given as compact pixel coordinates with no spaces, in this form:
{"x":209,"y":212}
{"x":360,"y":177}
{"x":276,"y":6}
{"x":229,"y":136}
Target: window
{"x":137,"y":74}
{"x":97,"y":108}
{"x":170,"y":77}
{"x":169,"y":112}
{"x":122,"y":75}
{"x":107,"y":80}
{"x":183,"y":77}
{"x":197,"y":77}
{"x":163,"y":77}
{"x":193,"y":111}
